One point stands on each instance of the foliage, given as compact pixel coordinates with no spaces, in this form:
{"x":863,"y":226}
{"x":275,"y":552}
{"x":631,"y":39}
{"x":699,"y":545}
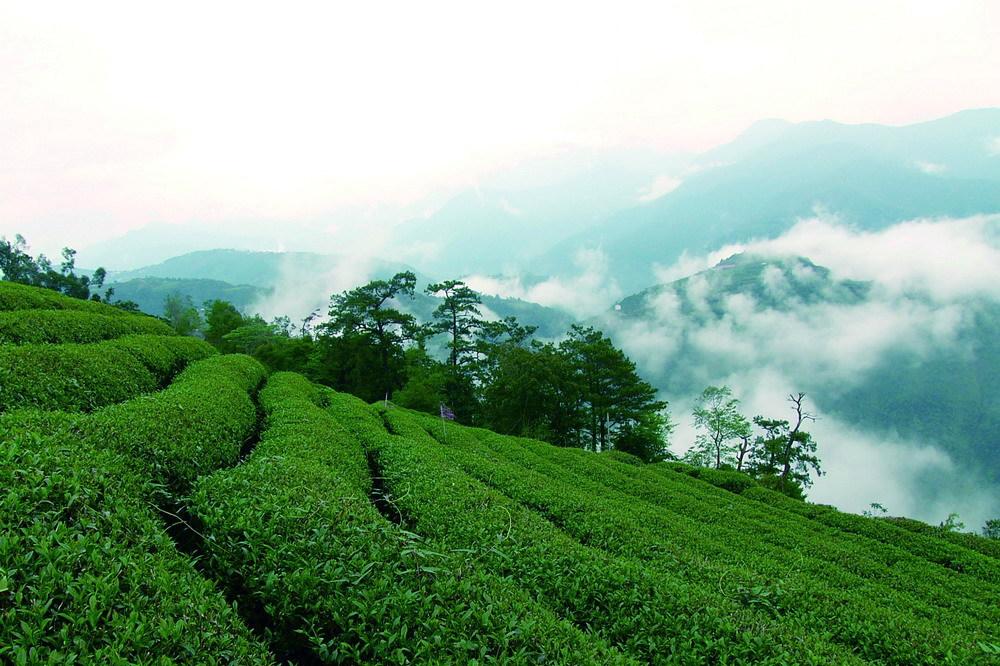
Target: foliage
{"x":294,"y":526}
{"x":198,"y":423}
{"x":952,"y":523}
{"x":221,"y":318}
{"x":716,"y":413}
{"x":362,"y":321}
{"x":16,"y":265}
{"x":73,"y":326}
{"x":991,"y":530}
{"x":837,"y":586}
{"x":75,"y":377}
{"x":88,"y":574}
{"x":181,"y":314}
{"x":424,"y":390}
{"x":875,"y":510}
{"x":14,"y":296}
{"x":457,"y":316}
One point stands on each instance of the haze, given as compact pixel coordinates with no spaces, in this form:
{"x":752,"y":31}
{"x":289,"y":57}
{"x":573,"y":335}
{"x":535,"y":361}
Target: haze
{"x":117,"y":115}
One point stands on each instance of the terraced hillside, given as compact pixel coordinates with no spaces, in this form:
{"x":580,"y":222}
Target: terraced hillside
{"x":164,"y":504}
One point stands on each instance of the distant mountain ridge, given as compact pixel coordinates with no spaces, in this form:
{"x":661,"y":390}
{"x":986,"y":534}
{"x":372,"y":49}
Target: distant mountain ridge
{"x":255,"y":268}
{"x":756,"y":187}
{"x":247,"y":278}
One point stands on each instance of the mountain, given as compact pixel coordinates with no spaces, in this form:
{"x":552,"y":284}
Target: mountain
{"x":150,"y":292}
{"x":258,"y":269}
{"x":898,"y":369}
{"x":294,"y":284}
{"x":870,"y":176}
{"x":804,"y":283}
{"x":515,"y":215}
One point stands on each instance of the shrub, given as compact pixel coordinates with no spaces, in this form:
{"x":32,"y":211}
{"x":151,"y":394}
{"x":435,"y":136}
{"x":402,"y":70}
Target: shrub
{"x":87,"y":574}
{"x":14,"y":296}
{"x":73,"y":326}
{"x":294,"y":529}
{"x":839,"y":586}
{"x":198,"y":423}
{"x":77,"y":377}
{"x":655,"y":617}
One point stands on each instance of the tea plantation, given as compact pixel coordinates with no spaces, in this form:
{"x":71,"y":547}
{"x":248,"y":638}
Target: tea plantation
{"x":163,"y":504}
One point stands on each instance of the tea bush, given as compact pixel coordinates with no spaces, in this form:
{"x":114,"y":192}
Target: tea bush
{"x":73,"y":326}
{"x":83,"y":377}
{"x":656,"y":617}
{"x":834,"y":585}
{"x":87,"y":574}
{"x":963,"y":554}
{"x":14,"y":296}
{"x":294,"y":529}
{"x":197,"y":424}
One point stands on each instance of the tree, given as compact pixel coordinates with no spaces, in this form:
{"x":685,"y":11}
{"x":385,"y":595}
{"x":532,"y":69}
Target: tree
{"x":648,"y":438}
{"x":535,"y":392}
{"x":221,"y":318}
{"x":784,"y":457}
{"x":991,"y":530}
{"x":493,"y":340}
{"x":952,"y":523}
{"x":875,"y":510}
{"x":425,"y":383}
{"x":16,"y":265}
{"x":459,"y":318}
{"x":181,"y":314}
{"x":613,"y":398}
{"x":716,"y":412}
{"x":247,"y":338}
{"x":457,"y":315}
{"x":362,"y":317}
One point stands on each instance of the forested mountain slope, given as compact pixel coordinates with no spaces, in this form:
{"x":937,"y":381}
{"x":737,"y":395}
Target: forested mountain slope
{"x":208,"y":513}
{"x":790,"y":316}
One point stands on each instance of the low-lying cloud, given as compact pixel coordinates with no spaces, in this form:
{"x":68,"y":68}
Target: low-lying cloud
{"x":300,"y":290}
{"x":929,"y":281}
{"x":585,"y":294}
{"x":943,"y":258}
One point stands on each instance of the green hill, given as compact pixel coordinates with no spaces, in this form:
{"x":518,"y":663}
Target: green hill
{"x":149,"y":293}
{"x":219,"y":515}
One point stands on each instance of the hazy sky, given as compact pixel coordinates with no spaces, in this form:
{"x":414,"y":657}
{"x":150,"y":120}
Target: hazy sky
{"x":114,"y":115}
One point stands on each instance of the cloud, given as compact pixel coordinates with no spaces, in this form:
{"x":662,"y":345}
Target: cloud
{"x":943,"y":258}
{"x":860,"y":467}
{"x":930,"y":168}
{"x":929,"y":279}
{"x":300,"y":290}
{"x":592,"y":290}
{"x":661,"y":185}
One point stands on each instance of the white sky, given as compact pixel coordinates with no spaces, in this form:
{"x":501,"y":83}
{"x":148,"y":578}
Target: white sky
{"x":114,"y":115}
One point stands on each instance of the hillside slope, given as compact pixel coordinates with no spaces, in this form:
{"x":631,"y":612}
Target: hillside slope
{"x":229,"y":517}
